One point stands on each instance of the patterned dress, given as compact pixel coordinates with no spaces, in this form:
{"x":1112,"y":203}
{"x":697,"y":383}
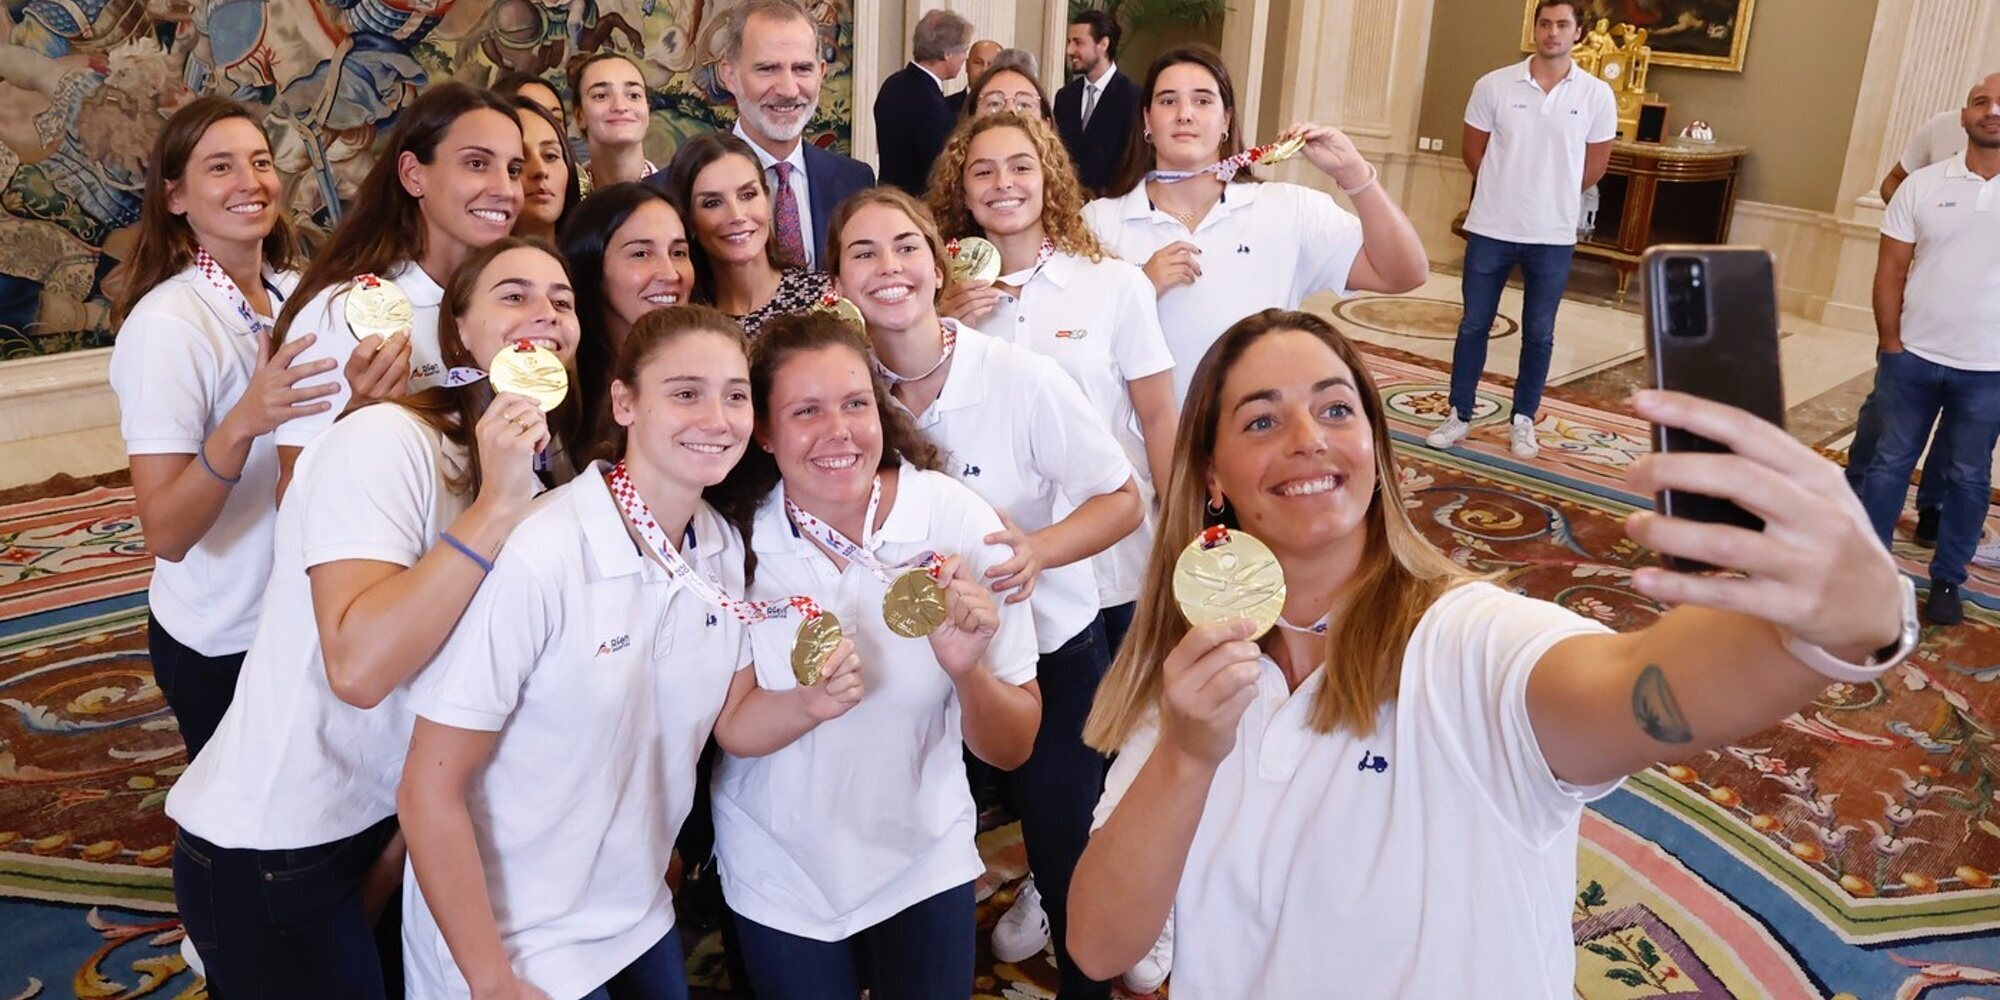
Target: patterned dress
{"x":798,"y":291}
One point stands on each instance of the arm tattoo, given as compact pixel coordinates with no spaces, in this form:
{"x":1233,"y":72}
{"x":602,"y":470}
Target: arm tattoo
{"x":1658,"y":713}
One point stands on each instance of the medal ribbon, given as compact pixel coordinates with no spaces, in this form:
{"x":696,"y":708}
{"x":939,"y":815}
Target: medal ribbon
{"x":748,"y":612}
{"x":950,"y":328}
{"x":828,"y":535}
{"x":1042,"y":257}
{"x":1224,"y":170}
{"x":212,"y":270}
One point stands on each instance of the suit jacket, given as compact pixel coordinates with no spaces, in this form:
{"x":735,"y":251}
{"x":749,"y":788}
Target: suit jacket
{"x":956,"y":102}
{"x":912,"y":120}
{"x":1099,"y":148}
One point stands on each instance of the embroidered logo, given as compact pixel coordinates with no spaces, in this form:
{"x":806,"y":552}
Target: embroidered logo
{"x":1372,"y":762}
{"x":711,"y":620}
{"x":428,"y":371}
{"x":1072,"y":334}
{"x":1947,"y":204}
{"x":615,"y":645}
{"x":970,"y":470}
{"x":1242,"y":248}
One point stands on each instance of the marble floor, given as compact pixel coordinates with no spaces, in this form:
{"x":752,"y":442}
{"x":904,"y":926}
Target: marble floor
{"x":1599,"y":353}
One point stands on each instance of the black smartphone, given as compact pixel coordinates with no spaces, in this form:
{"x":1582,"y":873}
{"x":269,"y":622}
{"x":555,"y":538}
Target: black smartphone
{"x":1712,"y":331}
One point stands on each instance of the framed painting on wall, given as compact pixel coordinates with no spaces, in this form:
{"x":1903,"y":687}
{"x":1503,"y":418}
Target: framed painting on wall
{"x":1697,"y":34}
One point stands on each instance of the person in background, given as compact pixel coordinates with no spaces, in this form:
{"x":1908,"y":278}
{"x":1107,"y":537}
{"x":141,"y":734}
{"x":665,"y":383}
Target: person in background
{"x":1012,"y":83}
{"x":1937,"y":322}
{"x":538,"y":90}
{"x":912,"y":116}
{"x":551,"y":182}
{"x":977,"y":59}
{"x":612,"y":115}
{"x":1096,"y":109}
{"x":1537,"y":135}
{"x":771,"y":62}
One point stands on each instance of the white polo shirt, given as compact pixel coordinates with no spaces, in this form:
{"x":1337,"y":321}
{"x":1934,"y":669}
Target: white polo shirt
{"x":292,"y":765}
{"x":1939,"y":138}
{"x":867,"y":814}
{"x":1100,"y":323}
{"x":1436,"y":858}
{"x":1951,"y":304}
{"x":1021,"y":434}
{"x":182,"y":360}
{"x":1530,"y":186}
{"x":602,"y":677}
{"x":1264,"y":245}
{"x":326,"y":315}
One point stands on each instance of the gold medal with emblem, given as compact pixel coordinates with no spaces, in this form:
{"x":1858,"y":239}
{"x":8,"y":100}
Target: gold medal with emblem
{"x":913,"y":607}
{"x":530,"y":370}
{"x":377,"y":308}
{"x":817,"y":636}
{"x":972,"y":259}
{"x":839,"y":307}
{"x":1226,"y":574}
{"x":1277,"y":152}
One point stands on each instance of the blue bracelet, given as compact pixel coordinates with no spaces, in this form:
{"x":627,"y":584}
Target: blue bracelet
{"x":201,"y":454}
{"x":485,"y":565}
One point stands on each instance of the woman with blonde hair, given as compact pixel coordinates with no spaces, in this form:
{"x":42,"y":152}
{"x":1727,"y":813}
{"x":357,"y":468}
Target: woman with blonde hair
{"x":1298,"y":806}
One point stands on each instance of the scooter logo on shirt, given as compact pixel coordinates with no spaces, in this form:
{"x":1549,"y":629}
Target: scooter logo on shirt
{"x":1072,"y":334}
{"x":1371,"y":761}
{"x":970,"y":470}
{"x":615,"y":645}
{"x":711,"y":620}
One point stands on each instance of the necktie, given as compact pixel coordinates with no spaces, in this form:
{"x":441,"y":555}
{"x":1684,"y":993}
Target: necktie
{"x":1089,"y":102}
{"x":791,"y":242}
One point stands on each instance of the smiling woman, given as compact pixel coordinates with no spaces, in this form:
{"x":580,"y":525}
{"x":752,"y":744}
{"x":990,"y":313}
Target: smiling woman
{"x":447,"y":184}
{"x":611,"y":115}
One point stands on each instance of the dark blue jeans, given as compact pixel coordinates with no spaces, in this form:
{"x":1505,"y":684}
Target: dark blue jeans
{"x":922,"y":953}
{"x":1544,"y":275}
{"x":198,"y":688}
{"x":1868,"y":432}
{"x":1117,"y":621}
{"x":283,"y":923}
{"x":1058,"y":787}
{"x":659,"y":974}
{"x":1911,"y":393}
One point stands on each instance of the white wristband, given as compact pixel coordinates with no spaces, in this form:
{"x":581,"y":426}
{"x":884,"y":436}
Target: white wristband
{"x":1373,"y":176}
{"x":1833,"y":667}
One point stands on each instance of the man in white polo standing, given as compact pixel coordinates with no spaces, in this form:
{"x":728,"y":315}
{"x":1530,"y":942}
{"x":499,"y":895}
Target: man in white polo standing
{"x":1537,"y":135}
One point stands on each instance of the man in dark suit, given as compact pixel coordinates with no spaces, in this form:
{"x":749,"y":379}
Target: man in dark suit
{"x":1094,"y":110}
{"x":771,"y":62}
{"x":912,"y":118}
{"x":977,"y":59}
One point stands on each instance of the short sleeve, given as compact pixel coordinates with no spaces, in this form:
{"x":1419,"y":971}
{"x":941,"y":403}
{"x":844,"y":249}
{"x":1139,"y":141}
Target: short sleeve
{"x":1069,"y":442}
{"x":1138,"y":342}
{"x":1014,"y":649}
{"x":1473,"y":652}
{"x":1125,"y":767}
{"x":167,"y":380}
{"x":1899,"y":220}
{"x":1329,"y":239}
{"x":1603,"y":115}
{"x":1480,"y":110}
{"x":1101,"y":215}
{"x":332,"y":341}
{"x":476,"y":679}
{"x":369,"y":486}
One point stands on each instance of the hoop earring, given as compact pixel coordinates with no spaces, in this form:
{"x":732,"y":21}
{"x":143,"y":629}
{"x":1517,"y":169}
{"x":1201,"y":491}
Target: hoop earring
{"x":1217,"y":509}
{"x":1149,"y":137}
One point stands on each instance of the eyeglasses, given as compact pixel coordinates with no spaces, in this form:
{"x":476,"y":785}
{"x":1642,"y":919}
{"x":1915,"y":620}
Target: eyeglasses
{"x":994,"y":101}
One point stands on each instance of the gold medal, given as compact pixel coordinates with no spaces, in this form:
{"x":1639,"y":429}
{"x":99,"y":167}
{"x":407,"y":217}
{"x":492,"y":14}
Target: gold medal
{"x":841,"y":308}
{"x":914,"y":605}
{"x":816,"y":638}
{"x":377,"y":308}
{"x":1283,"y":149}
{"x":531,"y":370}
{"x":972,"y":259}
{"x":1227,"y":574}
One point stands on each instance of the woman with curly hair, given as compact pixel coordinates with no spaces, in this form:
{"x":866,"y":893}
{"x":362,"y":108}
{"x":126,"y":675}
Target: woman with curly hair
{"x":1007,"y":177}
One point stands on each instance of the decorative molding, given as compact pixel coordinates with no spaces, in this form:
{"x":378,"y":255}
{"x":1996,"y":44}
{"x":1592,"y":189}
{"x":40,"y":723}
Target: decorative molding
{"x":55,"y":394}
{"x":867,"y":78}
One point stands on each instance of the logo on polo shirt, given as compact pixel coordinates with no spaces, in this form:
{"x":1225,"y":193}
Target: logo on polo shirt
{"x":1371,"y":761}
{"x":615,"y":645}
{"x":711,"y":619}
{"x":1242,"y":248}
{"x":1947,"y":204}
{"x":1072,"y":334}
{"x":970,"y":470}
{"x":428,"y":371}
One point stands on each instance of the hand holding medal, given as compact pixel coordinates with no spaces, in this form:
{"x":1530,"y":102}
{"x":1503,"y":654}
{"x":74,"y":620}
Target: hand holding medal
{"x":972,"y":260}
{"x":838,"y":686}
{"x":970,"y":621}
{"x":378,"y":315}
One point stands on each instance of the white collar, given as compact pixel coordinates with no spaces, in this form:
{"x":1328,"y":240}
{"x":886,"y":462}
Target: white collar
{"x":1110,"y":70}
{"x":927,"y":72}
{"x":764,"y":158}
{"x":1528,"y":71}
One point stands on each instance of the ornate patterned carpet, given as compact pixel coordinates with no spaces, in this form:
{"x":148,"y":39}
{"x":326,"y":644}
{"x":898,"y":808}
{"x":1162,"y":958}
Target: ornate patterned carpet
{"x":1851,"y":851}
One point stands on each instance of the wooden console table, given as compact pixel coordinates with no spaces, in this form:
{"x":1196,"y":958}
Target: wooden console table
{"x":1672,"y":192}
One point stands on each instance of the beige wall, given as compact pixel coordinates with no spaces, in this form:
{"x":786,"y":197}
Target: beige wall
{"x":1793,"y":103}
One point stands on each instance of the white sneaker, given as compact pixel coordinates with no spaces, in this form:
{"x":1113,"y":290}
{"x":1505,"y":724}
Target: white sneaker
{"x":1023,"y":931}
{"x":1522,"y":432}
{"x":192,"y":959}
{"x":1988,"y":554}
{"x":1152,"y":970}
{"x":1449,"y":433}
